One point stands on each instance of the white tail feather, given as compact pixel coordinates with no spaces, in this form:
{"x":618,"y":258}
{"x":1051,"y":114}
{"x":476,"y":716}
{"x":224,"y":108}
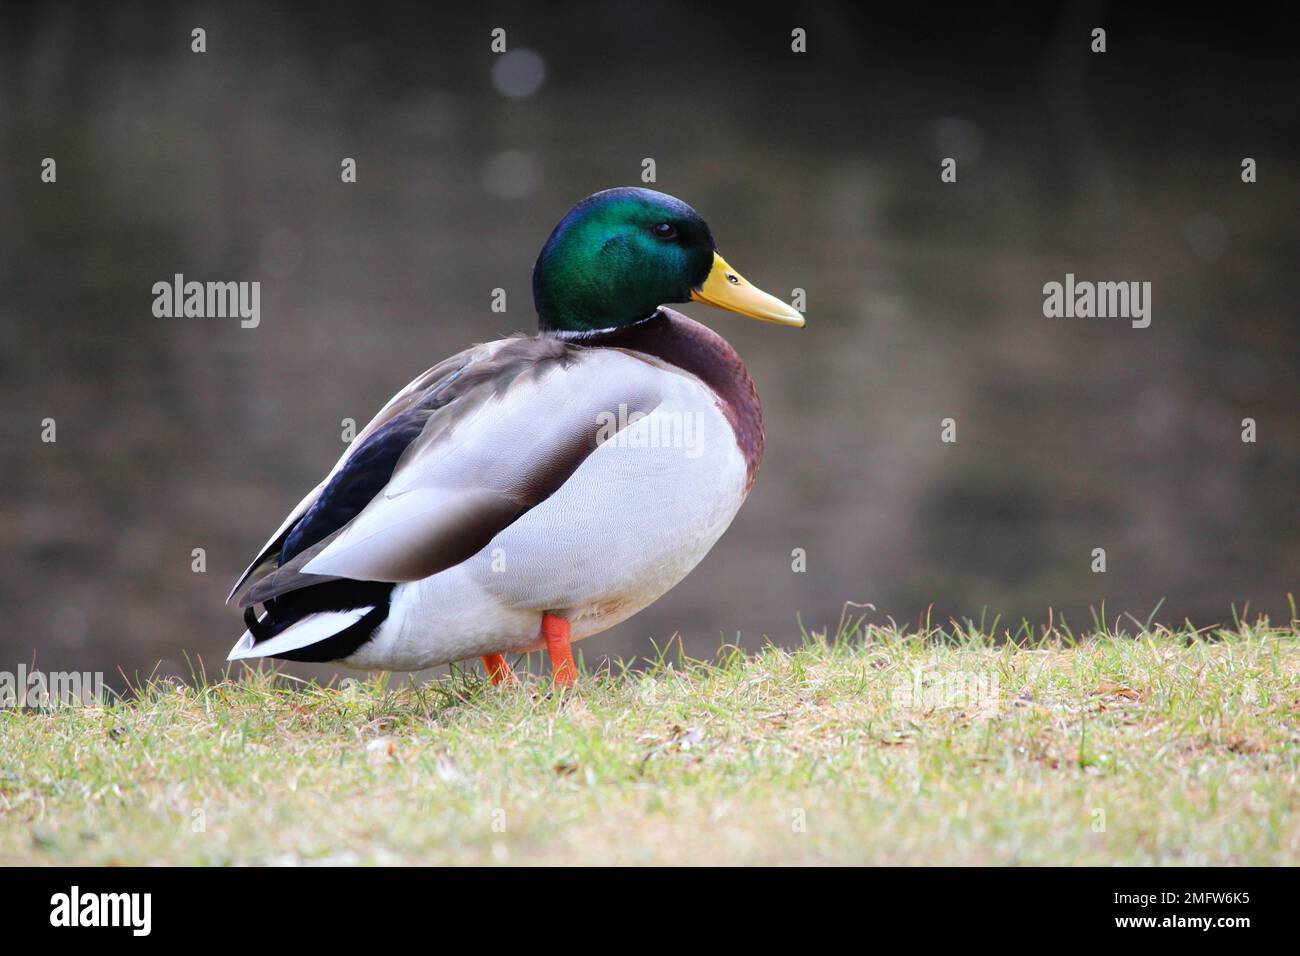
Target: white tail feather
{"x":310,"y":630}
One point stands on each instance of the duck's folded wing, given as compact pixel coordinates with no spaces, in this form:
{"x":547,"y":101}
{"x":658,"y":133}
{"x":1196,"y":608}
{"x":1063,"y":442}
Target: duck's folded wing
{"x":505,"y":436}
{"x":425,"y":385}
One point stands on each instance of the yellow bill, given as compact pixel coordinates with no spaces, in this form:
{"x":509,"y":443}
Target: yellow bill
{"x":727,"y":289}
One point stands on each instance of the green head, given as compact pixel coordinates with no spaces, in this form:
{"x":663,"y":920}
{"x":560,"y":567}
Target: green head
{"x":620,"y":254}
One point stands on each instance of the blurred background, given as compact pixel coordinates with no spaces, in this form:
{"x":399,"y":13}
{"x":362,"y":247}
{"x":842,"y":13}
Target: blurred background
{"x":817,"y":170}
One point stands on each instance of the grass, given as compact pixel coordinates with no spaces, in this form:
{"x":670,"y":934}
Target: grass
{"x":869,"y":746}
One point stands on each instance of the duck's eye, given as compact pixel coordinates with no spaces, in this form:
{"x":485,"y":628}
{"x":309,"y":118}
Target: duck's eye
{"x":665,"y":230}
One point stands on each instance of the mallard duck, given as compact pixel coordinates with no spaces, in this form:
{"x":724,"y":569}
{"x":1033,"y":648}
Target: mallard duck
{"x":535,"y":490}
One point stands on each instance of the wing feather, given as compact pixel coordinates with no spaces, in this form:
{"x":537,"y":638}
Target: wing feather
{"x":480,"y":444}
{"x":420,"y":389}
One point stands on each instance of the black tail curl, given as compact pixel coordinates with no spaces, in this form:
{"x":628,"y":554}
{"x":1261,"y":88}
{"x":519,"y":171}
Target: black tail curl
{"x":341,"y":594}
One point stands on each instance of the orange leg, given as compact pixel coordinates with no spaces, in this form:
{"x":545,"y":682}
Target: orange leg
{"x":498,"y":669}
{"x":556,"y":632}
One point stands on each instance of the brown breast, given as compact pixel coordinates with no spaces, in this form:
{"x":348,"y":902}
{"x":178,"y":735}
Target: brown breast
{"x":673,"y":338}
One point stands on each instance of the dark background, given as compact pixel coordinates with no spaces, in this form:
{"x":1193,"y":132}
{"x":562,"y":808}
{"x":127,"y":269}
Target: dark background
{"x":818,"y":170}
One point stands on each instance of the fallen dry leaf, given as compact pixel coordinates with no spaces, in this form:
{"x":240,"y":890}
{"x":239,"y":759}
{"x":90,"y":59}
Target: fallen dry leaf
{"x":381,"y":749}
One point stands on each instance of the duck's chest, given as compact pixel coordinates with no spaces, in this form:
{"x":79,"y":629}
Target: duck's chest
{"x":636,"y":516}
{"x":696,"y":350}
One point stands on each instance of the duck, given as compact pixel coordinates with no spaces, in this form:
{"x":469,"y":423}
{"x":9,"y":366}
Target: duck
{"x":533,"y":491}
